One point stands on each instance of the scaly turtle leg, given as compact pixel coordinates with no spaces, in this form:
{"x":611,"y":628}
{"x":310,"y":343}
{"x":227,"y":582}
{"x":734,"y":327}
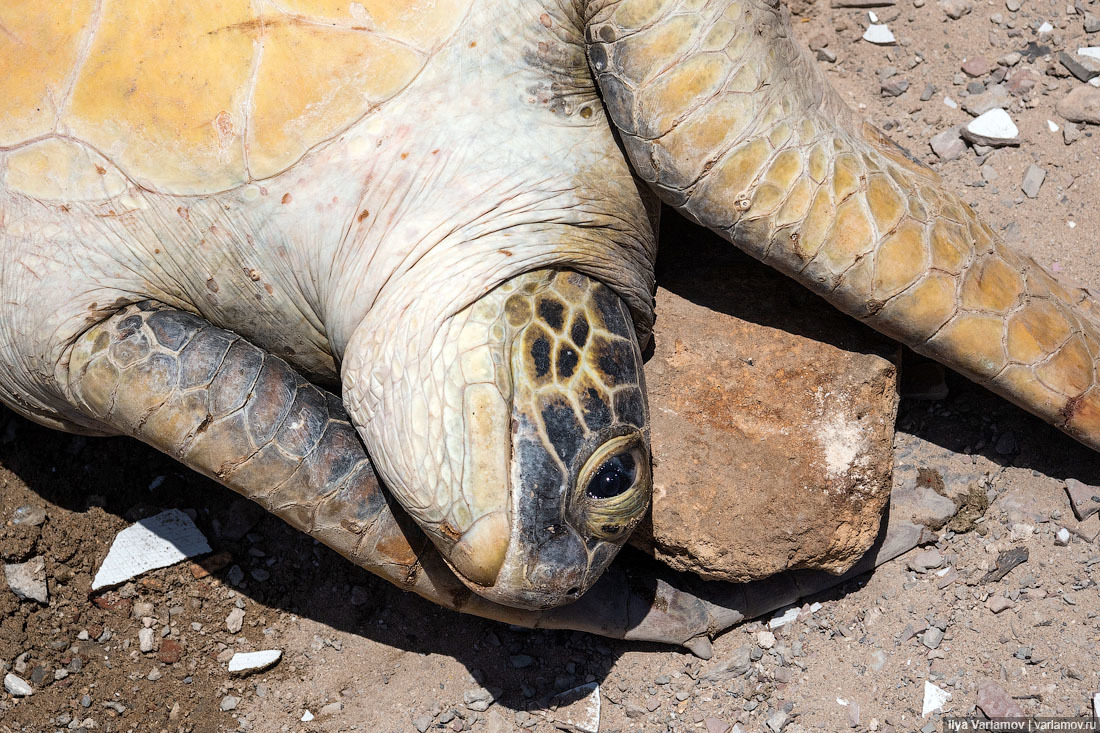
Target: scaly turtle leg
{"x":730,"y":122}
{"x":246,"y":419}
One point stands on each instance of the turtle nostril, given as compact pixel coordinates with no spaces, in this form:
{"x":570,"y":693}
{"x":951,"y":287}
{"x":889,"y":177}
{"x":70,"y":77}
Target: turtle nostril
{"x":613,"y":478}
{"x":573,"y":591}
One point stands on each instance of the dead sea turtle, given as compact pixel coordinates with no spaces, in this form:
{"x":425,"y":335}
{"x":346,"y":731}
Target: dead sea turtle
{"x":442,"y":207}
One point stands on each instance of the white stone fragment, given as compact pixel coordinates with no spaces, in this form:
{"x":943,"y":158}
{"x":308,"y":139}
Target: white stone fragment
{"x":1096,"y":707}
{"x":578,"y":709}
{"x":307,"y":716}
{"x":872,"y":16}
{"x":879,"y":34}
{"x":1061,"y":537}
{"x":1091,"y":52}
{"x":1095,"y":81}
{"x":934,"y":699}
{"x":782,"y":619}
{"x":156,"y":542}
{"x":1052,"y":126}
{"x":1046,"y":27}
{"x":950,"y":103}
{"x":146,"y":640}
{"x":234,"y":621}
{"x":27,"y":580}
{"x":17,"y":686}
{"x":248,"y":662}
{"x":994,"y":127}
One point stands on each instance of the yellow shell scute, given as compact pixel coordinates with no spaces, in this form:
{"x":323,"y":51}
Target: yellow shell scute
{"x":38,"y":49}
{"x":355,"y":70}
{"x":190,"y":101}
{"x":56,"y":169}
{"x":421,"y":23}
{"x":162,"y":92}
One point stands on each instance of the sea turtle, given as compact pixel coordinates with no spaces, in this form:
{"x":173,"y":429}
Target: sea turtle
{"x":444,"y":208}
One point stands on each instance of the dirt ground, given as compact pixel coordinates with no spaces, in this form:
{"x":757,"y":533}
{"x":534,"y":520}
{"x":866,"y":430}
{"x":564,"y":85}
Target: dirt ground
{"x":360,"y":655}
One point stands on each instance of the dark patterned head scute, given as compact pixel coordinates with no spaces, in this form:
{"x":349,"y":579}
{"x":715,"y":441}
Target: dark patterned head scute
{"x":562,"y":428}
{"x":579,"y":330}
{"x":552,"y":312}
{"x":613,"y":312}
{"x":540,"y":355}
{"x":566,"y":362}
{"x":630,"y":406}
{"x":597,"y":411}
{"x":613,"y":360}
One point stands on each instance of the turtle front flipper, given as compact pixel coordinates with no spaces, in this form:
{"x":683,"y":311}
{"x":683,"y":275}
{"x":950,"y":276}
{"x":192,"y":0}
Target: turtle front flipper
{"x":732,"y":124}
{"x":245,"y":418}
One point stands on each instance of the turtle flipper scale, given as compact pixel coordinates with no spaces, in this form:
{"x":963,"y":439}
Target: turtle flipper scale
{"x":732,"y":124}
{"x":245,"y":418}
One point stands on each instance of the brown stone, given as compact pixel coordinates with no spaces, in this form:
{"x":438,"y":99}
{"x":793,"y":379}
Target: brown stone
{"x":772,"y":417}
{"x":210,"y":565}
{"x":1081,"y":105}
{"x":996,"y":703}
{"x":170,"y":651}
{"x":113,"y":603}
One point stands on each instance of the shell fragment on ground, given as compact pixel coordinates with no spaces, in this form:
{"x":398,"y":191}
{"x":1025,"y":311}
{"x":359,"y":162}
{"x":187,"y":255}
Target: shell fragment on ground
{"x":248,"y":662}
{"x":155,"y":542}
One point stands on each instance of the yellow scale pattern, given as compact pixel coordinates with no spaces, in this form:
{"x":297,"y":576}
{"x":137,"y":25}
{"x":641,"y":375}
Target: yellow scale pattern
{"x":732,"y":123}
{"x":188,"y":100}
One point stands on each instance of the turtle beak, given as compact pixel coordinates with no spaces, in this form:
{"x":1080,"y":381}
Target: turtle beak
{"x":479,"y":553}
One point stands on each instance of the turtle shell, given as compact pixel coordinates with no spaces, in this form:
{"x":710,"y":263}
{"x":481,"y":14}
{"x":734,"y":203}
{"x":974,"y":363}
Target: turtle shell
{"x":192,"y":98}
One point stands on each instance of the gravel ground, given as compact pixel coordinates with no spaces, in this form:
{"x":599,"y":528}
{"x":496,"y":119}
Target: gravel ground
{"x":360,"y":655}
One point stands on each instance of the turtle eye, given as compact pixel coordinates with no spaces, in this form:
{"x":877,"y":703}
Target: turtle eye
{"x":616,"y":489}
{"x":614,"y":477}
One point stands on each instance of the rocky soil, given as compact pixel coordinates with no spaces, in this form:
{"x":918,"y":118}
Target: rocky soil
{"x":359,"y":655}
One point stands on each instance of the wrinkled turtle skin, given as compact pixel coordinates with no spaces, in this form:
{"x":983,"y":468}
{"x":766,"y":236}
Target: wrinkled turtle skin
{"x":442,"y":210}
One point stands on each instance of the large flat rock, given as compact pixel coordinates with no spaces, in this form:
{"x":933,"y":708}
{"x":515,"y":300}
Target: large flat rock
{"x":773,"y":419}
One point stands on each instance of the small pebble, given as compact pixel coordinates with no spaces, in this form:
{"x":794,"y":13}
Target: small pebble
{"x":29,"y":515}
{"x":17,"y":686}
{"x":146,"y":640}
{"x":932,"y":637}
{"x":235,"y":620}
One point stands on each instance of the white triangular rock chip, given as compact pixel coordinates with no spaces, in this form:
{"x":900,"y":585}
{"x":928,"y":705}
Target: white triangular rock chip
{"x":155,"y":542}
{"x":993,"y":128}
{"x":934,"y":698}
{"x":1091,"y":52}
{"x":247,"y":662}
{"x":578,"y":709}
{"x":879,"y":34}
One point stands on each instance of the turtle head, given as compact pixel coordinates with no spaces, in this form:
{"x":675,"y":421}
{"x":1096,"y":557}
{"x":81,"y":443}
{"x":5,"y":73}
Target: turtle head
{"x":522,"y":450}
